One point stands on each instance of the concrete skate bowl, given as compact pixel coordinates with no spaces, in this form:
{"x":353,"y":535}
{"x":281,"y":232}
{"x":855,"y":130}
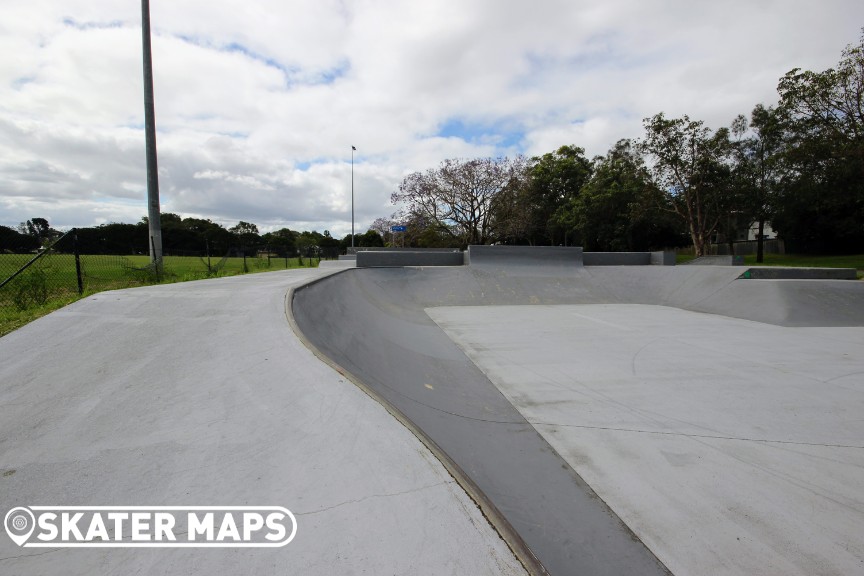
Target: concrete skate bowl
{"x":372,"y":324}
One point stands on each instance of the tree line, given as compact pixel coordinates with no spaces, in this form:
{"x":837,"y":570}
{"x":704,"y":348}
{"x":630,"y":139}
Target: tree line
{"x":182,"y":236}
{"x":798,"y":166}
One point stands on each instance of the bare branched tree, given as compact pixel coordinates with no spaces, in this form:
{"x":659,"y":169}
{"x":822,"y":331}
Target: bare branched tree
{"x":459,"y":196}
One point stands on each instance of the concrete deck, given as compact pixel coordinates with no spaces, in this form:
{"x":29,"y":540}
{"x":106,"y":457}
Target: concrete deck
{"x":200,"y":394}
{"x":728,"y":446}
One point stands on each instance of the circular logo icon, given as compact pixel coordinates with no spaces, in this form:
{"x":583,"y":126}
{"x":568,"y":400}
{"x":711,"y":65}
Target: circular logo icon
{"x":19,"y":524}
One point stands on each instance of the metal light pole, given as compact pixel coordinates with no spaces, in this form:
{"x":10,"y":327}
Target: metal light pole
{"x":153,"y":216}
{"x":353,"y":149}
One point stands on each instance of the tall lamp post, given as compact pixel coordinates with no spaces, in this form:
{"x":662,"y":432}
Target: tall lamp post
{"x":353,"y":149}
{"x":154,"y":224}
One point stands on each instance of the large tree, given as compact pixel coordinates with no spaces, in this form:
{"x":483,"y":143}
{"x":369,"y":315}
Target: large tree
{"x":283,"y":241}
{"x":555,"y":179}
{"x":691,"y":167}
{"x":457,"y":198}
{"x":13,"y":241}
{"x":759,"y":150}
{"x":823,"y":206}
{"x":617,"y":209}
{"x":40,"y":229}
{"x":246,"y":234}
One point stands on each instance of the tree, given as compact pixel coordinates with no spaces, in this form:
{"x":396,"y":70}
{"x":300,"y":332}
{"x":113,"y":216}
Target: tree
{"x":308,"y":243}
{"x":555,"y":179}
{"x":759,"y":166}
{"x":13,"y":241}
{"x":370,"y":238}
{"x":208,"y":235}
{"x":691,"y":168}
{"x":113,"y":238}
{"x":282,"y":241}
{"x":823,"y":204}
{"x":246,"y":233}
{"x":40,"y":229}
{"x":457,"y":197}
{"x":616,"y":210}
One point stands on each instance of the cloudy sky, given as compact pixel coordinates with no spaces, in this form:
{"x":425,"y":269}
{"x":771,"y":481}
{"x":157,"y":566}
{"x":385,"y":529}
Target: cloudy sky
{"x":259,"y":102}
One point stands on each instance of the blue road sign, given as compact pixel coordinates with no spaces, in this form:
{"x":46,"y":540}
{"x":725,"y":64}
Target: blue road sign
{"x":398,"y":228}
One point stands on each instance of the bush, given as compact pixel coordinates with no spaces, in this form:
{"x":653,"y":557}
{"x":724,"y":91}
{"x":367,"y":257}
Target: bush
{"x":30,"y":289}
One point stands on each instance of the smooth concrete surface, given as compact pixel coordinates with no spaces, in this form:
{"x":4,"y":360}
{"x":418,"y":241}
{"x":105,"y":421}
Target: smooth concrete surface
{"x":200,"y":394}
{"x":339,"y":264}
{"x":728,"y":446}
{"x":536,"y":257}
{"x":372,"y":322}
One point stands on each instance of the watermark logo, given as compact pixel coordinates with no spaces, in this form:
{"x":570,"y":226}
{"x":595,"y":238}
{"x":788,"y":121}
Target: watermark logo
{"x":150,"y":526}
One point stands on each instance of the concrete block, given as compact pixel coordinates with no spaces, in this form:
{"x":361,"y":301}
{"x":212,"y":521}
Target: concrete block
{"x":525,"y":256}
{"x":663,"y":258}
{"x":369,"y":259}
{"x":616,"y":258}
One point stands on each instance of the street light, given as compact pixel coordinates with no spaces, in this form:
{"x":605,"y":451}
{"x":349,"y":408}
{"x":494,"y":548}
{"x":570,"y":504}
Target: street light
{"x":353,"y":149}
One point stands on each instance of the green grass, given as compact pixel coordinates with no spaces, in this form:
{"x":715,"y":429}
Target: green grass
{"x":51,"y":282}
{"x":799,"y":261}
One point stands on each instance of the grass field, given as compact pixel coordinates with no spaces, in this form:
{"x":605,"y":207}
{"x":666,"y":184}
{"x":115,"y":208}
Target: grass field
{"x":52,"y":282}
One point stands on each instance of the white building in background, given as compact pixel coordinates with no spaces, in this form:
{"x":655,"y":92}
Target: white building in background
{"x":753,"y":232}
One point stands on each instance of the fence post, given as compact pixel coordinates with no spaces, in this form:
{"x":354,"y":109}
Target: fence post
{"x":77,"y":252}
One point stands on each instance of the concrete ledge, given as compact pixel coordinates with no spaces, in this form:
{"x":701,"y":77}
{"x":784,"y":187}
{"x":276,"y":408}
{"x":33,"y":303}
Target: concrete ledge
{"x":775,"y":273}
{"x":616,"y":258}
{"x":357,"y":249}
{"x":663,"y":258}
{"x":524,"y":256}
{"x":717,"y":261}
{"x":371,"y":259}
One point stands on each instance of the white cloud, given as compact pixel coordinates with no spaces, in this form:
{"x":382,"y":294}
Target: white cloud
{"x":258,"y":102}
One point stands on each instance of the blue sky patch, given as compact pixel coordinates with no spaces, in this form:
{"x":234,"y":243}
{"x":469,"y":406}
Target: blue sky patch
{"x":72,"y":23}
{"x":500,"y":135}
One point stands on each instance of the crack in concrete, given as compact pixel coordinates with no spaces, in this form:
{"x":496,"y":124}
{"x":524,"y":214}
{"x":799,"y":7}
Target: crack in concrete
{"x":371,"y":496}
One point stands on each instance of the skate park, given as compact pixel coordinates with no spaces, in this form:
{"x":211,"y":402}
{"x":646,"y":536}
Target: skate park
{"x":509,"y":411}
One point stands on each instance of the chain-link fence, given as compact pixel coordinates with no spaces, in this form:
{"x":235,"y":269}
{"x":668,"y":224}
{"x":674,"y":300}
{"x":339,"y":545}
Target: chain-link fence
{"x":61,"y":273}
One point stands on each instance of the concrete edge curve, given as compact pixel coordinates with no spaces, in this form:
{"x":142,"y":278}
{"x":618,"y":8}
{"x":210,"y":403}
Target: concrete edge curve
{"x":495,"y":518}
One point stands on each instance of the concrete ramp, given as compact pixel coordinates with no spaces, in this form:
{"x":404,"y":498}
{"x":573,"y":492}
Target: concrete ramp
{"x":373,"y":323}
